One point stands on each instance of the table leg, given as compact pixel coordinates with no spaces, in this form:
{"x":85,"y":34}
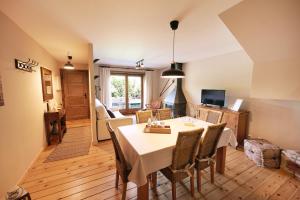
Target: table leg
{"x":143,"y":192}
{"x":220,"y":160}
{"x":153,"y":181}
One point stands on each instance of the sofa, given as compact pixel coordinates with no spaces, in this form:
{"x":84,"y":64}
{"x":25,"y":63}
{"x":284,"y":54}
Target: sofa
{"x":103,"y":117}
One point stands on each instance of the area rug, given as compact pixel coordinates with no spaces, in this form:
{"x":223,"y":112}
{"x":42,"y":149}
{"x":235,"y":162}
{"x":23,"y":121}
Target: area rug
{"x":76,"y":142}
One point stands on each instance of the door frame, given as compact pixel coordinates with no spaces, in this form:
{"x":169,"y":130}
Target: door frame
{"x":62,"y":71}
{"x":127,"y":110}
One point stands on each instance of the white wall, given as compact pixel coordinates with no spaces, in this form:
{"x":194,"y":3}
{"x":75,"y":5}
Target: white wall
{"x":275,"y":120}
{"x":22,"y":134}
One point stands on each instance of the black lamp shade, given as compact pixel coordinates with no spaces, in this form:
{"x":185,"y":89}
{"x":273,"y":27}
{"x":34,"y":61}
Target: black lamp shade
{"x":173,"y":72}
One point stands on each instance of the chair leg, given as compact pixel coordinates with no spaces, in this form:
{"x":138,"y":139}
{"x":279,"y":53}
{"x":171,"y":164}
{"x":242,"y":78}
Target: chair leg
{"x":192,"y":185}
{"x":199,"y":180}
{"x":173,"y":190}
{"x":212,"y":172}
{"x":117,"y":179}
{"x":124,"y":191}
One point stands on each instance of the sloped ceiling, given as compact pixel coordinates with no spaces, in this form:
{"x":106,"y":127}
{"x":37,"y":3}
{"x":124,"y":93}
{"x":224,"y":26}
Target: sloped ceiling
{"x":269,"y":32}
{"x":123,"y":32}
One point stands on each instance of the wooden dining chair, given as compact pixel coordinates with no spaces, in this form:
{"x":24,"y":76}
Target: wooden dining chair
{"x":214,"y":116}
{"x":123,"y":169}
{"x":163,"y":114}
{"x":183,"y":160}
{"x":201,"y":114}
{"x":143,"y":116}
{"x":208,"y":115}
{"x":207,"y":151}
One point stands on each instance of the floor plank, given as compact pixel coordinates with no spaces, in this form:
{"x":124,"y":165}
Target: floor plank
{"x":92,"y":176}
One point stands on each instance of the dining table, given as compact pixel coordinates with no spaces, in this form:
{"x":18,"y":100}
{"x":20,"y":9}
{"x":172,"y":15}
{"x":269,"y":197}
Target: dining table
{"x":147,"y":153}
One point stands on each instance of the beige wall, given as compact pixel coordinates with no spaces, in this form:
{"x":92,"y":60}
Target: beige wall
{"x":232,"y":72}
{"x":22,"y":134}
{"x":275,"y":120}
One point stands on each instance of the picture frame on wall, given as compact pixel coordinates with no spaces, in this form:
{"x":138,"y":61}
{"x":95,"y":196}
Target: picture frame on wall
{"x":47,"y":84}
{"x":1,"y":93}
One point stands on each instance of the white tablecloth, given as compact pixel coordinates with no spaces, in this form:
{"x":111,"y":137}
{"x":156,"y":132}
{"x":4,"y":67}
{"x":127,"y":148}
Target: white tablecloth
{"x":150,"y":152}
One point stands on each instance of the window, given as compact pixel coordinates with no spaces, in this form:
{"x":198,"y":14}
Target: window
{"x":118,"y":93}
{"x":127,"y":92}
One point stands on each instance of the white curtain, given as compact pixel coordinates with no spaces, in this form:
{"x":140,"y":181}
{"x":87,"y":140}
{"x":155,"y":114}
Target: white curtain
{"x":105,"y":86}
{"x":148,"y":83}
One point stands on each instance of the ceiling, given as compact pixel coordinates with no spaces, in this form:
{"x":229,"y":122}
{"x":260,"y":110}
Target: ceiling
{"x":123,"y":32}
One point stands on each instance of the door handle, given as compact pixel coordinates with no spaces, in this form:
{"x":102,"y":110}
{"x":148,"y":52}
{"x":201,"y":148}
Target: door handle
{"x":85,"y":95}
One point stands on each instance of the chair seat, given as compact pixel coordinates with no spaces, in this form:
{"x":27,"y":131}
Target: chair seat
{"x":200,"y":165}
{"x":177,"y":176}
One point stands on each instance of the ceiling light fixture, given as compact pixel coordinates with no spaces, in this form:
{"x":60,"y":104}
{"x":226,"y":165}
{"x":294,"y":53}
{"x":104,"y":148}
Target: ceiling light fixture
{"x":173,"y":72}
{"x":140,"y":64}
{"x":69,"y":65}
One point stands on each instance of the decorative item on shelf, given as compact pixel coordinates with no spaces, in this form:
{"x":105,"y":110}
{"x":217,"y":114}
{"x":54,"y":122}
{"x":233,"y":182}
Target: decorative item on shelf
{"x":139,"y":64}
{"x":168,"y":84}
{"x":46,"y":76}
{"x":174,"y":72}
{"x":26,"y":66}
{"x":69,"y":65}
{"x":237,"y":104}
{"x":1,"y":93}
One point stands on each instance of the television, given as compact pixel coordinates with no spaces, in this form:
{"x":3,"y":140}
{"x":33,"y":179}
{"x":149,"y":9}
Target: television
{"x":213,"y":97}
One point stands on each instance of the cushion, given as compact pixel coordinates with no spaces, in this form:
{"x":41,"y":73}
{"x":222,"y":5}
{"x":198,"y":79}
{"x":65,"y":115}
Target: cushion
{"x":111,"y":114}
{"x":101,"y":111}
{"x":118,"y":114}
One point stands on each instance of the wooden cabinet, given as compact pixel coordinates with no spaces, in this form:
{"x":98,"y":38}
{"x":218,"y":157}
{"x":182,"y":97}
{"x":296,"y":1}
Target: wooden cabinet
{"x":237,"y":121}
{"x":55,"y":123}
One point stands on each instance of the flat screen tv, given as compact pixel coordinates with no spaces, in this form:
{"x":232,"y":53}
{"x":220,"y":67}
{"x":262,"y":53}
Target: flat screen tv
{"x":213,"y":97}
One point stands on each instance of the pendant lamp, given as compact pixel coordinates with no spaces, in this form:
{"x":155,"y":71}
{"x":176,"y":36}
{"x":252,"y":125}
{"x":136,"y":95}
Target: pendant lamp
{"x":69,"y":65}
{"x":173,"y":72}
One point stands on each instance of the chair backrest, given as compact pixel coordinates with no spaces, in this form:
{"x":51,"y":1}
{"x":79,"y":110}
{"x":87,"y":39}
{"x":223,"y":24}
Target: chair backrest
{"x":118,"y":151}
{"x":201,"y":114}
{"x":186,"y":148}
{"x":143,"y":116}
{"x":214,"y":116}
{"x":164,"y":114}
{"x":209,"y":141}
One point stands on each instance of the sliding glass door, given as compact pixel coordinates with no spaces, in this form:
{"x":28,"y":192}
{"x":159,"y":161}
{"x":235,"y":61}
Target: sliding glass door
{"x":127,"y":92}
{"x":118,"y":91}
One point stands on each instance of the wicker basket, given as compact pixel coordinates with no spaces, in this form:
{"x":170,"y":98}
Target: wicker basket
{"x":290,"y":162}
{"x":262,"y":152}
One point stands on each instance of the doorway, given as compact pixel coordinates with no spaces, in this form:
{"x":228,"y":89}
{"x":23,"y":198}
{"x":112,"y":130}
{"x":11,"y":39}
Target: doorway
{"x":75,"y":94}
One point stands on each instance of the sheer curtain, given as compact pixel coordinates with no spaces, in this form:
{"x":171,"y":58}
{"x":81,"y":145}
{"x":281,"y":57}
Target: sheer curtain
{"x":148,"y":82}
{"x":105,"y":86}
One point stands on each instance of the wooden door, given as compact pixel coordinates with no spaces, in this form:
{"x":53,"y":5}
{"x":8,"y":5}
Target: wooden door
{"x":76,"y":94}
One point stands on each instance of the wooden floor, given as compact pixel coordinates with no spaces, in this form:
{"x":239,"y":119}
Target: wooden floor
{"x":92,"y":177}
{"x":78,"y":123}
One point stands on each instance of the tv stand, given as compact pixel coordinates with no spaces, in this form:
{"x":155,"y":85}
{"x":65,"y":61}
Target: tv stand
{"x":235,"y":120}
